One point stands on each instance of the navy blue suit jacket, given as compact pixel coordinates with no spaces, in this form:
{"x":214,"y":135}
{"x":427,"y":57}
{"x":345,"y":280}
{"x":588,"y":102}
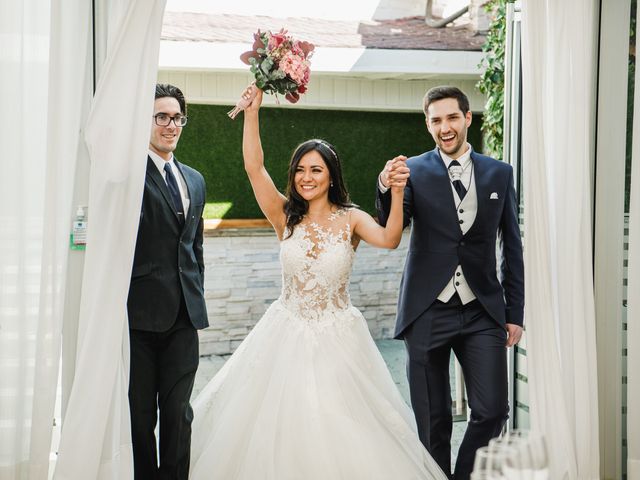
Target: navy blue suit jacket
{"x":168,"y":262}
{"x":437,"y":245}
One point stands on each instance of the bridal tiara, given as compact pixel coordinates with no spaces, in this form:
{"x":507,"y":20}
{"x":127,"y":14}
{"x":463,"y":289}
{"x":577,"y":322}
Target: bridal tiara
{"x":325,"y":144}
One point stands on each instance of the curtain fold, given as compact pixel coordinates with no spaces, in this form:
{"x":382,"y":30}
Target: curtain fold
{"x":97,"y":425}
{"x":633,"y":300}
{"x":68,"y":96}
{"x":557,"y":149}
{"x":33,"y":249}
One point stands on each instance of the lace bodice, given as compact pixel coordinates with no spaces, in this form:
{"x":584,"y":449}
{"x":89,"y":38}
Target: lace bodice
{"x":316,"y":266}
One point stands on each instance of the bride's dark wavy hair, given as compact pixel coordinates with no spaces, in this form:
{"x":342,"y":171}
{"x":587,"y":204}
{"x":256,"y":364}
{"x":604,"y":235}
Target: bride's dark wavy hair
{"x":296,"y":206}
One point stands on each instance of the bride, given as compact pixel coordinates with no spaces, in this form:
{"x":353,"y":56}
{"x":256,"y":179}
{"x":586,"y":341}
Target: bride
{"x":307,"y":395}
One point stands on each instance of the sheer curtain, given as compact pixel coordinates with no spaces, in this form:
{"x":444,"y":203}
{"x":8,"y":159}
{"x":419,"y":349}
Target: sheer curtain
{"x":558,"y":53}
{"x":45,"y":86}
{"x":69,"y":94}
{"x":95,"y":442}
{"x":39,"y":138}
{"x":633,"y":302}
{"x":24,"y":62}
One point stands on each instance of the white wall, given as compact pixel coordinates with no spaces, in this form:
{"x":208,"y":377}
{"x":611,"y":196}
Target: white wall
{"x":334,"y":92}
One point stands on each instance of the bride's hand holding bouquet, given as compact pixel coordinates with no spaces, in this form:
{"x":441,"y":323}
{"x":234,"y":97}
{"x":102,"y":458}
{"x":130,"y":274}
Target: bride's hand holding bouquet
{"x":252,"y":97}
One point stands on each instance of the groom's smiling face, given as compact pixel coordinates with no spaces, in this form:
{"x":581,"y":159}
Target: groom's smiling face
{"x":448,"y":126}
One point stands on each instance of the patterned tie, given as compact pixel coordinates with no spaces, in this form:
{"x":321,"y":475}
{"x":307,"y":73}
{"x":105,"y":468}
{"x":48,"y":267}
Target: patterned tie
{"x":175,"y":192}
{"x":457,"y":183}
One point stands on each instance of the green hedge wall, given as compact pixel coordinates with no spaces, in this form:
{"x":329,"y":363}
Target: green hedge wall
{"x":212,"y":143}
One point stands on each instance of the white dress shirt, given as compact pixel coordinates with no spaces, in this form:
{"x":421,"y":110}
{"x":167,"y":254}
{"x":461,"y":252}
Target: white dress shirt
{"x":182,"y":185}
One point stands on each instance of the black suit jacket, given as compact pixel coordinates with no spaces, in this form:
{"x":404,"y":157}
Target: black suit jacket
{"x":437,"y":245}
{"x":168,"y":262}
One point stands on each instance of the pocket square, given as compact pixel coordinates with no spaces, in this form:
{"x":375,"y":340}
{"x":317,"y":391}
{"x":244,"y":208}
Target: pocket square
{"x":493,"y":196}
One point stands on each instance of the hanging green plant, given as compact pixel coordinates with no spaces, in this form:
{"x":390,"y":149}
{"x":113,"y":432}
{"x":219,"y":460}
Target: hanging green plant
{"x":492,"y":81}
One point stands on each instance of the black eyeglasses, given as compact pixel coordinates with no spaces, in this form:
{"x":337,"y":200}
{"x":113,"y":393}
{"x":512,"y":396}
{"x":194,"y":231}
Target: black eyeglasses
{"x":163,"y":120}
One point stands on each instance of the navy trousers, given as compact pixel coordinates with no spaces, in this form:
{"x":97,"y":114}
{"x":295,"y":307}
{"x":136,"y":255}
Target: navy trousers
{"x":478,"y":342}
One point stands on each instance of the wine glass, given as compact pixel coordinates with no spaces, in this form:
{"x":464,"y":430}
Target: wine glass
{"x":528,"y":459}
{"x":489,"y":461}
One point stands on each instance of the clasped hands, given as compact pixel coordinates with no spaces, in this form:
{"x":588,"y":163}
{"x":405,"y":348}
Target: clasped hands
{"x":395,"y":173}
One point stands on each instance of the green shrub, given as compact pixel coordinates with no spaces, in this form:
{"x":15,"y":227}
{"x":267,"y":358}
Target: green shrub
{"x":212,"y":143}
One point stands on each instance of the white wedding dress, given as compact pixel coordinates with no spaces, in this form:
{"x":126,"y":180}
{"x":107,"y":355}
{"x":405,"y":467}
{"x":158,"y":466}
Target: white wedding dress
{"x":307,"y":395}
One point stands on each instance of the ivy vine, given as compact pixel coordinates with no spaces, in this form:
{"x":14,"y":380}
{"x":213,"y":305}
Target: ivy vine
{"x":492,"y":80}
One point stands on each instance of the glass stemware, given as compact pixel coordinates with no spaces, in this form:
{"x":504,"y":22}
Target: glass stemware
{"x":489,"y":461}
{"x":529,"y":458}
{"x":517,"y":455}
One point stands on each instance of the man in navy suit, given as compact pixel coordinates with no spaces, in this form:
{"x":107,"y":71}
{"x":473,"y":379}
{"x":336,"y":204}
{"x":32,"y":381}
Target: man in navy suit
{"x":451,"y":295}
{"x":166,"y":299}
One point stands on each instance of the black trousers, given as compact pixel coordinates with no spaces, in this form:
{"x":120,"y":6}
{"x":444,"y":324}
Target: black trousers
{"x":163,"y":369}
{"x":479,"y":344}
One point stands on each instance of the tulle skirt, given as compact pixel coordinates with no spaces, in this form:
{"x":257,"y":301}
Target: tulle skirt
{"x":304,"y":399}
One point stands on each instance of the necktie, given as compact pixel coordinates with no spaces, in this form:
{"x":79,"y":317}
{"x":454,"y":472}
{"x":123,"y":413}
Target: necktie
{"x":457,"y":183}
{"x":175,"y":192}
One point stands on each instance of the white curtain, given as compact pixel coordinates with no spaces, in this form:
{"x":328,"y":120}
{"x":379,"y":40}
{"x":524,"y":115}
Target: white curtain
{"x":69,"y":93}
{"x":24,"y":62}
{"x":95,"y":442}
{"x":633,"y":301}
{"x":558,"y":53}
{"x":39,"y":141}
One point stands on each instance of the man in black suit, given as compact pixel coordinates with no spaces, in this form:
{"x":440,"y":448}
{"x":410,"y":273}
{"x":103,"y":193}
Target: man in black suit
{"x":166,"y":299}
{"x":451,"y":297}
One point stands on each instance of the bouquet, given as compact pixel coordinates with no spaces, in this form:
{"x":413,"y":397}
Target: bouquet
{"x":280,"y":64}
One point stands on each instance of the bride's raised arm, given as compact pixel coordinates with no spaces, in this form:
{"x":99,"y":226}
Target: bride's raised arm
{"x":270,"y":200}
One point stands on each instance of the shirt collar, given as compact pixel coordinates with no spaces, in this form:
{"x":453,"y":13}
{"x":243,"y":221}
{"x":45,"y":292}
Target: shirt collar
{"x":463,"y":159}
{"x":159,"y":161}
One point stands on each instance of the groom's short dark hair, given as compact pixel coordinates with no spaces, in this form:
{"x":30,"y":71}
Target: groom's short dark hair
{"x":442,"y":92}
{"x":167,"y":90}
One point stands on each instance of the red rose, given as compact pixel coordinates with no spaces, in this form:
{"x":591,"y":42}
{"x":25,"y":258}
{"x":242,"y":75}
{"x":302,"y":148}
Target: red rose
{"x":293,"y":97}
{"x":277,"y":39}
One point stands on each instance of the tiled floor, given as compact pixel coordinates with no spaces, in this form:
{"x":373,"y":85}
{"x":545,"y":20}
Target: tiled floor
{"x":393,"y":353}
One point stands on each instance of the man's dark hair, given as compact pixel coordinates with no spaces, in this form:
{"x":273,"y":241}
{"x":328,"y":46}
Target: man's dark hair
{"x":166,"y":90}
{"x":442,"y":92}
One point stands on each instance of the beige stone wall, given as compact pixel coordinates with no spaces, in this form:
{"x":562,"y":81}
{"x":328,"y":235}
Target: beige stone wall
{"x":243,"y":277}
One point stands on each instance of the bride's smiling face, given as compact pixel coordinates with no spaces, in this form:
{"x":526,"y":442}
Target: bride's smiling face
{"x":312,"y":178}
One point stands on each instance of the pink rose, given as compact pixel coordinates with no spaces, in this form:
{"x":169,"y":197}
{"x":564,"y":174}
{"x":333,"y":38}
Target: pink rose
{"x":277,"y":39}
{"x":294,"y":66}
{"x":307,"y":74}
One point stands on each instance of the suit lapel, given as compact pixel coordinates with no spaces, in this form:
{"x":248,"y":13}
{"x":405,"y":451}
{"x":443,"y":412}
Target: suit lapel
{"x":156,"y":177}
{"x":481,"y":178}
